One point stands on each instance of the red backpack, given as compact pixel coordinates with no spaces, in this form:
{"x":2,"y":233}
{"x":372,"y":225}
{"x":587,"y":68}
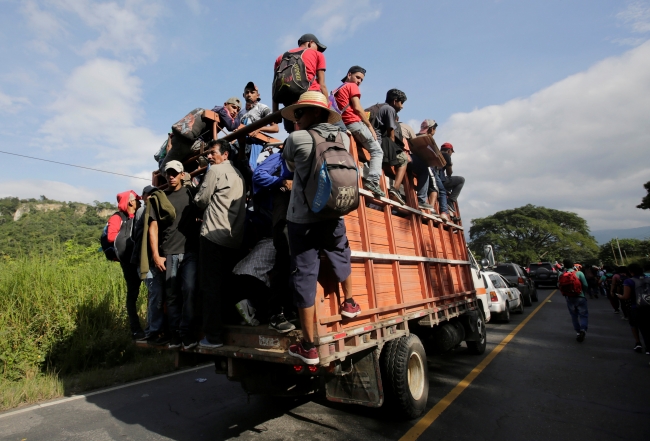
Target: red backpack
{"x":569,"y":284}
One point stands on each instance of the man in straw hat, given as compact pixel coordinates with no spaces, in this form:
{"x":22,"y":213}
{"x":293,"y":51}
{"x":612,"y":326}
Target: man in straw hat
{"x":311,"y":233}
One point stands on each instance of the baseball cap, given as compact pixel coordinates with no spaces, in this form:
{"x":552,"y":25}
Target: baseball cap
{"x":251,"y":85}
{"x":174,"y":165}
{"x":149,"y":189}
{"x":447,"y":146}
{"x":311,"y":37}
{"x":234,"y":100}
{"x":427,"y":124}
{"x":353,"y":70}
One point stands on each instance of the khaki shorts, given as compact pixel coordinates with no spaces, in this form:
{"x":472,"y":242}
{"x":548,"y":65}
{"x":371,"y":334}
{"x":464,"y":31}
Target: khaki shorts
{"x":402,"y":159}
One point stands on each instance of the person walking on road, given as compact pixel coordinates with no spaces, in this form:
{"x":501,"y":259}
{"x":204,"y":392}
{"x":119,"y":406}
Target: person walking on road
{"x":639,"y":312}
{"x":573,"y":284}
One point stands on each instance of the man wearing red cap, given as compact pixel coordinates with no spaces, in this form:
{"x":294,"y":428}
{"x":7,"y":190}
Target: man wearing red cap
{"x":453,"y":184}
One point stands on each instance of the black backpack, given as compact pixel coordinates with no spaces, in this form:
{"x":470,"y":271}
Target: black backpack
{"x":332,"y":186}
{"x":372,"y":111}
{"x":290,"y":78}
{"x":121,"y":249}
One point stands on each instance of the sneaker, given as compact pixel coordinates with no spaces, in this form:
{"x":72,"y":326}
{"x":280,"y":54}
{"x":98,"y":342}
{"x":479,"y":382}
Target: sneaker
{"x":638,"y":348}
{"x":581,"y":336}
{"x":175,"y":342}
{"x":444,"y":216}
{"x":139,"y":336}
{"x":189,"y":342}
{"x":160,"y":340}
{"x":426,"y":206}
{"x":247,"y":312}
{"x":213,"y":343}
{"x":373,"y":187}
{"x":280,"y":324}
{"x":396,"y":196}
{"x":308,"y":356}
{"x":350,"y":310}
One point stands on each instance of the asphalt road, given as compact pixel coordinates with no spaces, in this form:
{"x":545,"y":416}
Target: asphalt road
{"x":542,"y":386}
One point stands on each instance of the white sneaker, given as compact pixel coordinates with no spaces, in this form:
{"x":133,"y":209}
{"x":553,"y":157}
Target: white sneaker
{"x":247,"y":312}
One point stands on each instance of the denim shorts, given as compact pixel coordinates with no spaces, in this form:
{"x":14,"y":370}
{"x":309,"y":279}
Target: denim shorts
{"x":307,"y":243}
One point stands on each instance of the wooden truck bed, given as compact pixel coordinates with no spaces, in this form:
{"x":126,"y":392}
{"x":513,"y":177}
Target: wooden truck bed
{"x":406,"y":264}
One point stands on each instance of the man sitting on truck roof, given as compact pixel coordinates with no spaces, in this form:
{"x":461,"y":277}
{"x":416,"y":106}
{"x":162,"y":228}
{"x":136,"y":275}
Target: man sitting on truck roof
{"x":223,"y":197}
{"x":418,"y":167}
{"x":384,"y":120}
{"x":354,"y":117}
{"x":229,"y":114}
{"x":436,"y":187}
{"x":315,"y":65}
{"x":254,"y":111}
{"x":311,"y":233}
{"x":453,"y":184}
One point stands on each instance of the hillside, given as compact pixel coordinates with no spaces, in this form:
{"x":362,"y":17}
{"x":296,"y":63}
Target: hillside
{"x":604,"y":236}
{"x":35,"y":225}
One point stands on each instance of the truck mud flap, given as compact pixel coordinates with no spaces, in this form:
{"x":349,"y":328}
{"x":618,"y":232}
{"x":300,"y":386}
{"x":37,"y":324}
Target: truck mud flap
{"x":470,"y":323}
{"x":357,"y":380}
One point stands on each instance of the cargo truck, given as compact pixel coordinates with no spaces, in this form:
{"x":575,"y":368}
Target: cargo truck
{"x":412,"y":277}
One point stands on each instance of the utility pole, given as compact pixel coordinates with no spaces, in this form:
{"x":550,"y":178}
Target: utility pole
{"x":619,"y":251}
{"x":611,"y":243}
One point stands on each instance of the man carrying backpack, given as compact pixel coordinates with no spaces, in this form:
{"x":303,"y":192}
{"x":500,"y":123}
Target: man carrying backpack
{"x":297,"y":71}
{"x":617,"y":288}
{"x":119,"y":231}
{"x":311,"y":232}
{"x":347,"y":98}
{"x":572,"y":284}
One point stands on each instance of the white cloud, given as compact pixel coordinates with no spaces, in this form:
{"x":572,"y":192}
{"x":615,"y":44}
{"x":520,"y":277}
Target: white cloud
{"x":122,"y":30}
{"x":99,"y":111}
{"x":45,"y":26}
{"x":579,"y":145}
{"x":195,"y":6}
{"x":636,"y":16}
{"x":34,"y":188}
{"x":334,"y":20}
{"x":11,"y":104}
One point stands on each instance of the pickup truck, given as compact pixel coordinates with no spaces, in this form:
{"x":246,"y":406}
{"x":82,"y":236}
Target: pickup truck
{"x":411,"y":275}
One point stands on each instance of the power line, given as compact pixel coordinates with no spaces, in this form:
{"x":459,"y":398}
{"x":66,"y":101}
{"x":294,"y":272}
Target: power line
{"x":73,"y":165}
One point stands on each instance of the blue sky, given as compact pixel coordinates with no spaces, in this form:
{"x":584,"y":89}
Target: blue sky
{"x":545,"y":102}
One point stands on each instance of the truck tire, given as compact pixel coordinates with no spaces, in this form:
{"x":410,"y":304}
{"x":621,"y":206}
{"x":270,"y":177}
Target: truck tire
{"x":405,"y":376}
{"x":478,"y":347}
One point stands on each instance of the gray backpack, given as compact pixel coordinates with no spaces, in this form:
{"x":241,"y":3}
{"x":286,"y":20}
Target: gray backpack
{"x":332,"y":186}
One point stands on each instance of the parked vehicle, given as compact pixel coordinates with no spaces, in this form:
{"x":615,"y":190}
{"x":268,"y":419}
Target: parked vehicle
{"x":513,"y":273}
{"x":481,"y":291}
{"x":506,"y":298}
{"x":543,"y":274}
{"x":412,"y":276}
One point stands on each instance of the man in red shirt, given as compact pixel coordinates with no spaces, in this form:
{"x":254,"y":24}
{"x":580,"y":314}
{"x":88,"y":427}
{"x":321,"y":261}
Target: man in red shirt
{"x":354,"y":117}
{"x":314,"y":61}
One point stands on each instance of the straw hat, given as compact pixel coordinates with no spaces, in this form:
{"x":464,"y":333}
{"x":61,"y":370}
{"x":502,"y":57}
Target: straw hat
{"x":311,"y":99}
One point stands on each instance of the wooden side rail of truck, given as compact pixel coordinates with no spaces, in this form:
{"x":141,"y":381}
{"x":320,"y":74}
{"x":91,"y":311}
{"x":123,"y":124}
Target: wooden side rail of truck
{"x":410,"y":275}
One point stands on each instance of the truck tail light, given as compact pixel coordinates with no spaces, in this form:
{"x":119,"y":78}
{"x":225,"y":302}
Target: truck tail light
{"x":520,"y":280}
{"x":493,"y":296}
{"x":298,"y":368}
{"x":312,"y":369}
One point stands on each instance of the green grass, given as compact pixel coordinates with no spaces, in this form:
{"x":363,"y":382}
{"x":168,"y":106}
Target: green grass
{"x":63,"y":326}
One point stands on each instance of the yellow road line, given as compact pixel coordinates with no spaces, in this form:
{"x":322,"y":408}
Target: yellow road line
{"x":443,"y":404}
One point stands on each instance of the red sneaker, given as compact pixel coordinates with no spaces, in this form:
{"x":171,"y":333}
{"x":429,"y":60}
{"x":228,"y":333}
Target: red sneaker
{"x":349,"y":310}
{"x":308,"y":356}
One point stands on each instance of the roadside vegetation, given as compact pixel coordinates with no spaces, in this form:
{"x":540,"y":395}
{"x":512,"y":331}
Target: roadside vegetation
{"x":63,"y":326}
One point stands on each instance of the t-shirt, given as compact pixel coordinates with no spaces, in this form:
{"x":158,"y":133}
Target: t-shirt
{"x":407,"y":133}
{"x":386,"y":119}
{"x":257,"y":112}
{"x":182,"y":235}
{"x":631,"y":302}
{"x":296,"y":152}
{"x":314,"y":61}
{"x":343,"y":97}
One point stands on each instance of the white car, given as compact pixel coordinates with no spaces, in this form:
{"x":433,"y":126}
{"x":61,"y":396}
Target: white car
{"x":479,"y":286}
{"x":504,"y":298}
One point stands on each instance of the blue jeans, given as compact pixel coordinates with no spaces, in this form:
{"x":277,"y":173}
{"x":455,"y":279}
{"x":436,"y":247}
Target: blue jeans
{"x":362,"y":135}
{"x":177,"y":287}
{"x":579,"y":313}
{"x":440,"y":188}
{"x":421,"y":171}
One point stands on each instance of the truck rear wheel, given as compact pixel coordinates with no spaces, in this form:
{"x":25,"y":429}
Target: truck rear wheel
{"x":405,"y":376}
{"x":478,"y":347}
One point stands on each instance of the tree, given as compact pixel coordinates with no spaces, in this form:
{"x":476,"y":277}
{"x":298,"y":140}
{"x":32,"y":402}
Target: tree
{"x":634,"y":250}
{"x":645,"y":202}
{"x":530,"y":233}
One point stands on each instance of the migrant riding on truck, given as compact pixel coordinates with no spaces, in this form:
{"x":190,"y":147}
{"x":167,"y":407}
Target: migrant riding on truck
{"x":413,"y":287}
